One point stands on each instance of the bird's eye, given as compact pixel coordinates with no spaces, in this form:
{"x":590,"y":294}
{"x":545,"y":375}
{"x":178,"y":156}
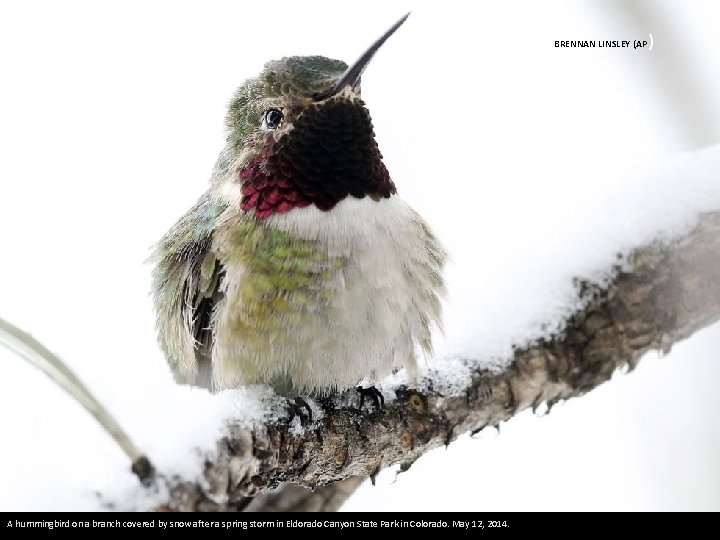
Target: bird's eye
{"x":272,"y":118}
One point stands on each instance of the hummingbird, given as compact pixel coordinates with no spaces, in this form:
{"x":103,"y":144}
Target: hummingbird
{"x":300,"y":267}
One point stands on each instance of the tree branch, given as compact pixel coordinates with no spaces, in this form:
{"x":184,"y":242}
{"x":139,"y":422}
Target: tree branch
{"x":35,"y":353}
{"x":666,"y":293}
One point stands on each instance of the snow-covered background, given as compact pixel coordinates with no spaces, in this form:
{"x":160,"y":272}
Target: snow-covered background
{"x":533,"y":163}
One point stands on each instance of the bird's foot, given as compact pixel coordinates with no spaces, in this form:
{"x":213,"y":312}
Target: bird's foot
{"x":299,"y":408}
{"x":327,"y":403}
{"x":374,"y":395}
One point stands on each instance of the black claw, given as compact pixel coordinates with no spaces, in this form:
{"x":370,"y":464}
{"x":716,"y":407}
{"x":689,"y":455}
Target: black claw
{"x":300,"y":408}
{"x":374,"y":394}
{"x":326,"y":403}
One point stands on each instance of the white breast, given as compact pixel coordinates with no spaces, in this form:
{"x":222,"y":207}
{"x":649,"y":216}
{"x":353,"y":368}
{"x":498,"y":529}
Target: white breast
{"x":381,"y":304}
{"x":385,"y":298}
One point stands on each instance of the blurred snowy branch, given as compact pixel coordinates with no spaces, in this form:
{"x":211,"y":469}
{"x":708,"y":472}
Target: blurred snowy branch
{"x":34,"y":352}
{"x":665,"y":293}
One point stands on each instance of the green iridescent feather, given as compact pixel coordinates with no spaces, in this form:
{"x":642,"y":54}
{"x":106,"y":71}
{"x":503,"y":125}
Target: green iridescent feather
{"x":295,"y":75}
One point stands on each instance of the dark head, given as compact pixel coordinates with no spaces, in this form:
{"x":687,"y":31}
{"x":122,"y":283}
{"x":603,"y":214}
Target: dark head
{"x":299,"y":134}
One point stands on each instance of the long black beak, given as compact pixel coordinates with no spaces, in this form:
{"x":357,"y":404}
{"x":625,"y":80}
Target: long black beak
{"x":353,"y":73}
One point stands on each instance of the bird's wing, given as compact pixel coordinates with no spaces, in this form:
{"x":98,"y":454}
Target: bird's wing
{"x":204,"y":288}
{"x":186,"y":289}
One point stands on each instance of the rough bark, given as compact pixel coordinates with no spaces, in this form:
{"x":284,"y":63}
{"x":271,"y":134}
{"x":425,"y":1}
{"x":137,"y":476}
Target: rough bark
{"x":295,"y":498}
{"x":665,"y":293}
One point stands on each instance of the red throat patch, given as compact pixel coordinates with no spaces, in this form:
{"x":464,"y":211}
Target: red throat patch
{"x":330,"y":154}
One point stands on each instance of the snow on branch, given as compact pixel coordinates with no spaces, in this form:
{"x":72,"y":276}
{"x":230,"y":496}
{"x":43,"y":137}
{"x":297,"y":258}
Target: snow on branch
{"x":665,"y":293}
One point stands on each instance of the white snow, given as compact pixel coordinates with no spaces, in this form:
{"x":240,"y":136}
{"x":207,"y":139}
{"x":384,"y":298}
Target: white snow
{"x":525,"y":291}
{"x":534,"y":165}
